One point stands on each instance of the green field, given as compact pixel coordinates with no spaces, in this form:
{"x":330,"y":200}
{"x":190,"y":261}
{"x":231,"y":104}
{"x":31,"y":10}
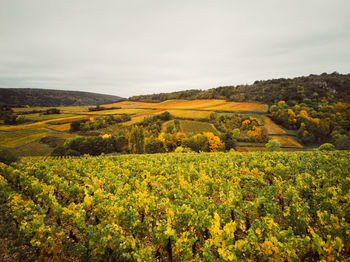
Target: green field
{"x":22,"y":137}
{"x":284,"y":206}
{"x":190,"y":127}
{"x":41,"y":117}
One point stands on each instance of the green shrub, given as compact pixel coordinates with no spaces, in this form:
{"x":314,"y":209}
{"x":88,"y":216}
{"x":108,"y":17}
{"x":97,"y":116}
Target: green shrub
{"x":7,"y":157}
{"x":273,"y":145}
{"x":326,"y":147}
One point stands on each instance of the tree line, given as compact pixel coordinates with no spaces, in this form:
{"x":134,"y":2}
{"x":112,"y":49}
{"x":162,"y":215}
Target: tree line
{"x":334,"y":86}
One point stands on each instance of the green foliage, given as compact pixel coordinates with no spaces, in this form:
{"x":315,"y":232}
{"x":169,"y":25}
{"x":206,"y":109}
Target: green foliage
{"x":275,"y":206}
{"x":273,"y":145}
{"x":296,"y":90}
{"x":91,"y":145}
{"x":52,"y":111}
{"x":229,"y":140}
{"x":136,"y":140}
{"x":98,"y":122}
{"x":326,"y":147}
{"x":7,"y":156}
{"x":154,"y":145}
{"x":317,"y":120}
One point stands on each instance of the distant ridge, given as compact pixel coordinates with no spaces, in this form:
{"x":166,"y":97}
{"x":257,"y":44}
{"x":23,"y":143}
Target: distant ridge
{"x":20,"y":97}
{"x":335,"y":86}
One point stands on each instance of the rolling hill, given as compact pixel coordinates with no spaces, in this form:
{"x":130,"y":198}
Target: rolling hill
{"x":20,"y":97}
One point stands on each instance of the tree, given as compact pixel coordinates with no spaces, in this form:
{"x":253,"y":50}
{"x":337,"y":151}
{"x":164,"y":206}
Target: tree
{"x":154,"y":145}
{"x":215,"y":144}
{"x":7,"y":157}
{"x":229,"y":141}
{"x":273,"y":145}
{"x":136,"y":140}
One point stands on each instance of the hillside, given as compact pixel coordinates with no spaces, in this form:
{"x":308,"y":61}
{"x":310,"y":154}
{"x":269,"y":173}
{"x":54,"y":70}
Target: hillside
{"x":20,"y":97}
{"x":333,"y":86}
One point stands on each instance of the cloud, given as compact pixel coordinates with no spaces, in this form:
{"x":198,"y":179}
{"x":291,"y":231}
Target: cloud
{"x":137,"y":47}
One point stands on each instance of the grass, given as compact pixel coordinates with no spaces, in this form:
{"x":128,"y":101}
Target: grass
{"x":190,"y":127}
{"x":22,"y":137}
{"x":287,"y":141}
{"x":272,"y":128}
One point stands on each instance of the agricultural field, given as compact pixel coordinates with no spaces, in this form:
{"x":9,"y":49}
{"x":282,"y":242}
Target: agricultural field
{"x":239,"y":107}
{"x":42,"y":117}
{"x":24,"y":134}
{"x":272,"y":128}
{"x":33,"y":149}
{"x":192,"y":114}
{"x":118,"y":111}
{"x":256,"y":206}
{"x":60,"y":128}
{"x":190,"y":127}
{"x":17,"y":138}
{"x":209,"y":104}
{"x":287,"y":141}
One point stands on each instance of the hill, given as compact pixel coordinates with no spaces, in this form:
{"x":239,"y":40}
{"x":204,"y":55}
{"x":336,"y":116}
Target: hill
{"x":333,"y":86}
{"x":20,"y":97}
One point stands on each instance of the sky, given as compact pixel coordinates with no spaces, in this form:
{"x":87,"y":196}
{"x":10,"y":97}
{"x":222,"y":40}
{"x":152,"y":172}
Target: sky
{"x":135,"y":47}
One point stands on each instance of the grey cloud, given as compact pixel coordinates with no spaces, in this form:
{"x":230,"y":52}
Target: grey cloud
{"x":137,"y":47}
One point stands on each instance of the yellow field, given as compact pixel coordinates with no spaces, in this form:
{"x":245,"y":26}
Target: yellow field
{"x":190,"y":114}
{"x":18,"y":138}
{"x":131,"y":104}
{"x":271,"y":127}
{"x":286,"y":141}
{"x":238,"y":106}
{"x":41,"y":117}
{"x":60,"y":128}
{"x":208,"y":104}
{"x":63,"y":109}
{"x":117,"y":111}
{"x":193,"y":104}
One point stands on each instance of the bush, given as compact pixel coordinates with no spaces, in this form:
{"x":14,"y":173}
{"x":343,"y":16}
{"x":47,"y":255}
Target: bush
{"x":273,"y":145}
{"x":7,"y":157}
{"x":154,"y":145}
{"x":326,"y":147}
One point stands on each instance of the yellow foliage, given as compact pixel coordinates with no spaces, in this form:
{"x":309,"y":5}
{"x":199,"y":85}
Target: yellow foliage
{"x":215,"y":144}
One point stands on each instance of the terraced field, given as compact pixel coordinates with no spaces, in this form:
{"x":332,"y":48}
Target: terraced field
{"x":17,"y":138}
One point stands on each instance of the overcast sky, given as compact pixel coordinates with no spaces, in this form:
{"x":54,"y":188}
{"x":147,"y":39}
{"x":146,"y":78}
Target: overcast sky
{"x":136,"y":47}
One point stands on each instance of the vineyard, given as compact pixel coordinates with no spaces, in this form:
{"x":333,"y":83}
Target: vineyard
{"x":256,"y":206}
